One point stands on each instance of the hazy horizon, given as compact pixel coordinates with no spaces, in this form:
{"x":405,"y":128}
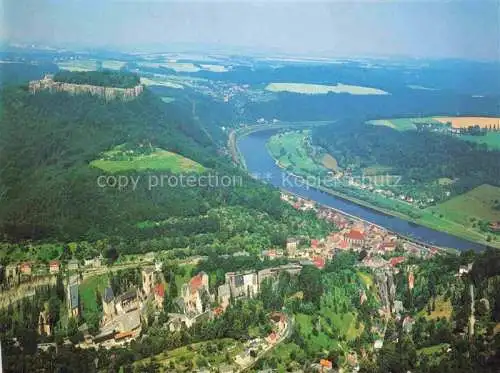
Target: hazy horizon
{"x":369,"y":28}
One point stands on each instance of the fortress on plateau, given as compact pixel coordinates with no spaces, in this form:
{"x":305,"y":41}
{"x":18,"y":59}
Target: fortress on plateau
{"x":108,"y":93}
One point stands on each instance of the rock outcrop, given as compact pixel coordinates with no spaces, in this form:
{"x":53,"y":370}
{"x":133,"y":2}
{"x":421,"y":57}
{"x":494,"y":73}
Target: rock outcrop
{"x":108,"y":93}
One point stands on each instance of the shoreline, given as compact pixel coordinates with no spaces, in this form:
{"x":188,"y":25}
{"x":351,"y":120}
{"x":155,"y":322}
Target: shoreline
{"x":361,"y":202}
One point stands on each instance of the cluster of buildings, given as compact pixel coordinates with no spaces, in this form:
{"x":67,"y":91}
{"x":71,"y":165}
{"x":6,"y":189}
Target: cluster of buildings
{"x":352,"y":235}
{"x":16,"y":273}
{"x":124,"y":313}
{"x":195,"y":300}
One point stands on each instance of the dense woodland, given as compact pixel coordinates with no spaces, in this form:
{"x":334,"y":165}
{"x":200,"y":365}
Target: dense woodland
{"x":421,"y":158}
{"x":104,"y":78}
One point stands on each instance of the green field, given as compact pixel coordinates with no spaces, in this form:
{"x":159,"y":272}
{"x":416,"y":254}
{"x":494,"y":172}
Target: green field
{"x":197,"y":355}
{"x":402,"y":124}
{"x":322,"y":89}
{"x":78,"y":65}
{"x":289,"y":151}
{"x":491,"y":139}
{"x":88,"y":290}
{"x":159,"y":159}
{"x":164,"y":82}
{"x":443,"y":309}
{"x":478,"y":203}
{"x":112,"y":64}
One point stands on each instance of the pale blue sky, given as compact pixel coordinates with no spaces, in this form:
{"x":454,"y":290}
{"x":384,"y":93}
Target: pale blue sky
{"x":436,"y":29}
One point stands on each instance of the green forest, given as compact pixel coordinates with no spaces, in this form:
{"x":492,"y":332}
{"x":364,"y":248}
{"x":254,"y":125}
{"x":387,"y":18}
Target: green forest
{"x":420,"y":158}
{"x":100,"y":78}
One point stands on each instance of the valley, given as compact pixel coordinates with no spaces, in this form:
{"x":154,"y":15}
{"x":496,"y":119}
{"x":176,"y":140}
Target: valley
{"x":274,"y":272}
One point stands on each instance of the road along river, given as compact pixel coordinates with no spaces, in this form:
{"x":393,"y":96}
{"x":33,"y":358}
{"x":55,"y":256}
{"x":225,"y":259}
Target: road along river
{"x":252,"y":147}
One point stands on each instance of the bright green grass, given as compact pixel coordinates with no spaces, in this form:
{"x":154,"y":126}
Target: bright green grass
{"x":193,"y":353}
{"x":318,"y":342}
{"x":366,"y":278}
{"x":288,"y":149}
{"x":478,"y":202}
{"x":88,"y":290}
{"x":160,"y":160}
{"x":433,"y":349}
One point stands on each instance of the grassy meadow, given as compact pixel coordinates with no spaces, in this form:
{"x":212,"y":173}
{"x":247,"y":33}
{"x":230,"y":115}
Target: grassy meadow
{"x":159,"y":160}
{"x":478,"y":203}
{"x":322,"y":89}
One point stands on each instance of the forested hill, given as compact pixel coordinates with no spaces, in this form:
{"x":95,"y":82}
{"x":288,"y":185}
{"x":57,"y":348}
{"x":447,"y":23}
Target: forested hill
{"x":98,"y":78}
{"x":419,"y":157}
{"x":48,"y":189}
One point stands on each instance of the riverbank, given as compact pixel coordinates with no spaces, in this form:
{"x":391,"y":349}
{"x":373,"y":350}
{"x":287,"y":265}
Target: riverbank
{"x":305,"y":168}
{"x":451,"y":235}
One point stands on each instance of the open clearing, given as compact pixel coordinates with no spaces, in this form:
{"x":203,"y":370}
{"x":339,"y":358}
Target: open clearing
{"x":460,"y":122}
{"x":197,"y":355}
{"x":78,"y":65}
{"x":321,"y":89}
{"x":289,"y":151}
{"x":478,"y":203}
{"x":329,"y":162}
{"x":160,"y":82}
{"x":112,"y":64}
{"x":491,"y":139}
{"x":160,"y":159}
{"x":443,"y":310}
{"x":214,"y":68}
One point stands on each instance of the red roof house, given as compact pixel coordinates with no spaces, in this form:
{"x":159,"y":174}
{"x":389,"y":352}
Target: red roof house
{"x":396,"y":260}
{"x":355,"y":237}
{"x":319,"y":262}
{"x":54,"y":266}
{"x":26,"y":268}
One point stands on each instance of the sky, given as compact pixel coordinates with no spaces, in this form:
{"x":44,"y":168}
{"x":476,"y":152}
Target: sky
{"x":361,"y":28}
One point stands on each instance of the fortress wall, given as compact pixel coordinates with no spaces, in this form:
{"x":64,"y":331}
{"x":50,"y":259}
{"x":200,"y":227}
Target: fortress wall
{"x":108,"y":93}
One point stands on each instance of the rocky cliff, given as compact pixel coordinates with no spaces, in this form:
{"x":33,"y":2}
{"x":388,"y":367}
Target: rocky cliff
{"x":108,"y":93}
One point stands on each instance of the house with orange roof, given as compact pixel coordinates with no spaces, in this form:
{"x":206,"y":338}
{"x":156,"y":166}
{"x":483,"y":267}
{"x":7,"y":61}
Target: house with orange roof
{"x":355,"y":237}
{"x":159,"y":293}
{"x":54,"y":266}
{"x":26,"y":268}
{"x":193,"y":293}
{"x":396,"y":260}
{"x":319,"y":262}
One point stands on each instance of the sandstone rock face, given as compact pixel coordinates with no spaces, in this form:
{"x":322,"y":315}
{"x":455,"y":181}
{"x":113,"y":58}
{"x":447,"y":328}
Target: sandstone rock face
{"x":108,"y":93}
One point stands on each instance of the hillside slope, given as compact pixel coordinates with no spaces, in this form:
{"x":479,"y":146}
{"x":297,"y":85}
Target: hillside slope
{"x":47,"y":143}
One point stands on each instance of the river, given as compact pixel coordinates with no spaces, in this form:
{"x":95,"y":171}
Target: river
{"x":260,"y":163}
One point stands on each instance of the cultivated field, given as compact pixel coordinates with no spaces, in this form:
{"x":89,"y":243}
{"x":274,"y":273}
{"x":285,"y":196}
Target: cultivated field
{"x":321,"y":89}
{"x":161,"y":160}
{"x":160,"y":82}
{"x":402,"y":124}
{"x":78,"y":65}
{"x":112,"y":64}
{"x":329,"y":162}
{"x":460,"y":122}
{"x":491,"y":139}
